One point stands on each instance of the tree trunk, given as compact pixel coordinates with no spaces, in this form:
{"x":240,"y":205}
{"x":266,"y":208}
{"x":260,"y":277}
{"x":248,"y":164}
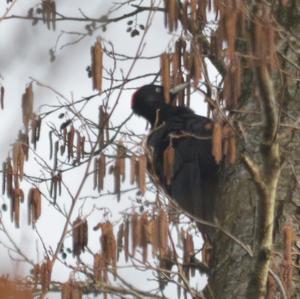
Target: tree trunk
{"x":237,"y":200}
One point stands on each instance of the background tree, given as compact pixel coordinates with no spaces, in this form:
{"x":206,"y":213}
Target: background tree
{"x":239,"y":57}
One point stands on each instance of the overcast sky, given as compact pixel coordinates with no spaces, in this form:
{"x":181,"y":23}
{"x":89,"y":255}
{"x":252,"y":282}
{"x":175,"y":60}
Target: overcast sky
{"x":25,"y":54}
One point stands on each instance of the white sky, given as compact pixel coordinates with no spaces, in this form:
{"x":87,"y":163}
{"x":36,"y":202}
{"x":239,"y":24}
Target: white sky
{"x":25,"y":53}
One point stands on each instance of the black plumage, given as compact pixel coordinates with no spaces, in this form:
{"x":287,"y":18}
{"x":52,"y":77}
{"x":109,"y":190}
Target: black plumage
{"x":194,"y":178}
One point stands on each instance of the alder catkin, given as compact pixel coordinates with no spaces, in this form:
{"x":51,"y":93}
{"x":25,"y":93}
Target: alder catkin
{"x":165,"y":75}
{"x":2,"y":97}
{"x":168,"y":163}
{"x":101,"y":171}
{"x":126,"y":239}
{"x":70,"y":142}
{"x":142,"y":173}
{"x":120,"y":236}
{"x":217,"y":142}
{"x":197,"y":67}
{"x":287,"y":263}
{"x":135,"y":231}
{"x":163,"y":227}
{"x":27,"y":106}
{"x":144,"y":236}
{"x":133,"y":168}
{"x":3,"y":177}
{"x":96,"y":171}
{"x":97,"y":65}
{"x":45,"y":274}
{"x":9,"y":177}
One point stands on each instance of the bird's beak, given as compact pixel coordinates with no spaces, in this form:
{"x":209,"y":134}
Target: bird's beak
{"x":179,"y":88}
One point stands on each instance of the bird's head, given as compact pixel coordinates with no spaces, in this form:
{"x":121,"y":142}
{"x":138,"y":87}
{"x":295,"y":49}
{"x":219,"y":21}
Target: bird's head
{"x":148,"y":99}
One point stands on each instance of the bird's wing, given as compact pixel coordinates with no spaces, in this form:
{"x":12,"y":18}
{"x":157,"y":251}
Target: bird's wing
{"x":194,"y":167}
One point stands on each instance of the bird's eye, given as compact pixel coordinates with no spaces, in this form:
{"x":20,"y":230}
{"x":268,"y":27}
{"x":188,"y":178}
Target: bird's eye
{"x":158,"y":89}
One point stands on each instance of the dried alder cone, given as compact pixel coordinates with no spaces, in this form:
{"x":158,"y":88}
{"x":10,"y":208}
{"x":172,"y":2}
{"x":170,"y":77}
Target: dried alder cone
{"x":79,"y":235}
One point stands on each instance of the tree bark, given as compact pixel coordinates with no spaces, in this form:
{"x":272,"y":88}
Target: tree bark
{"x":237,"y":203}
